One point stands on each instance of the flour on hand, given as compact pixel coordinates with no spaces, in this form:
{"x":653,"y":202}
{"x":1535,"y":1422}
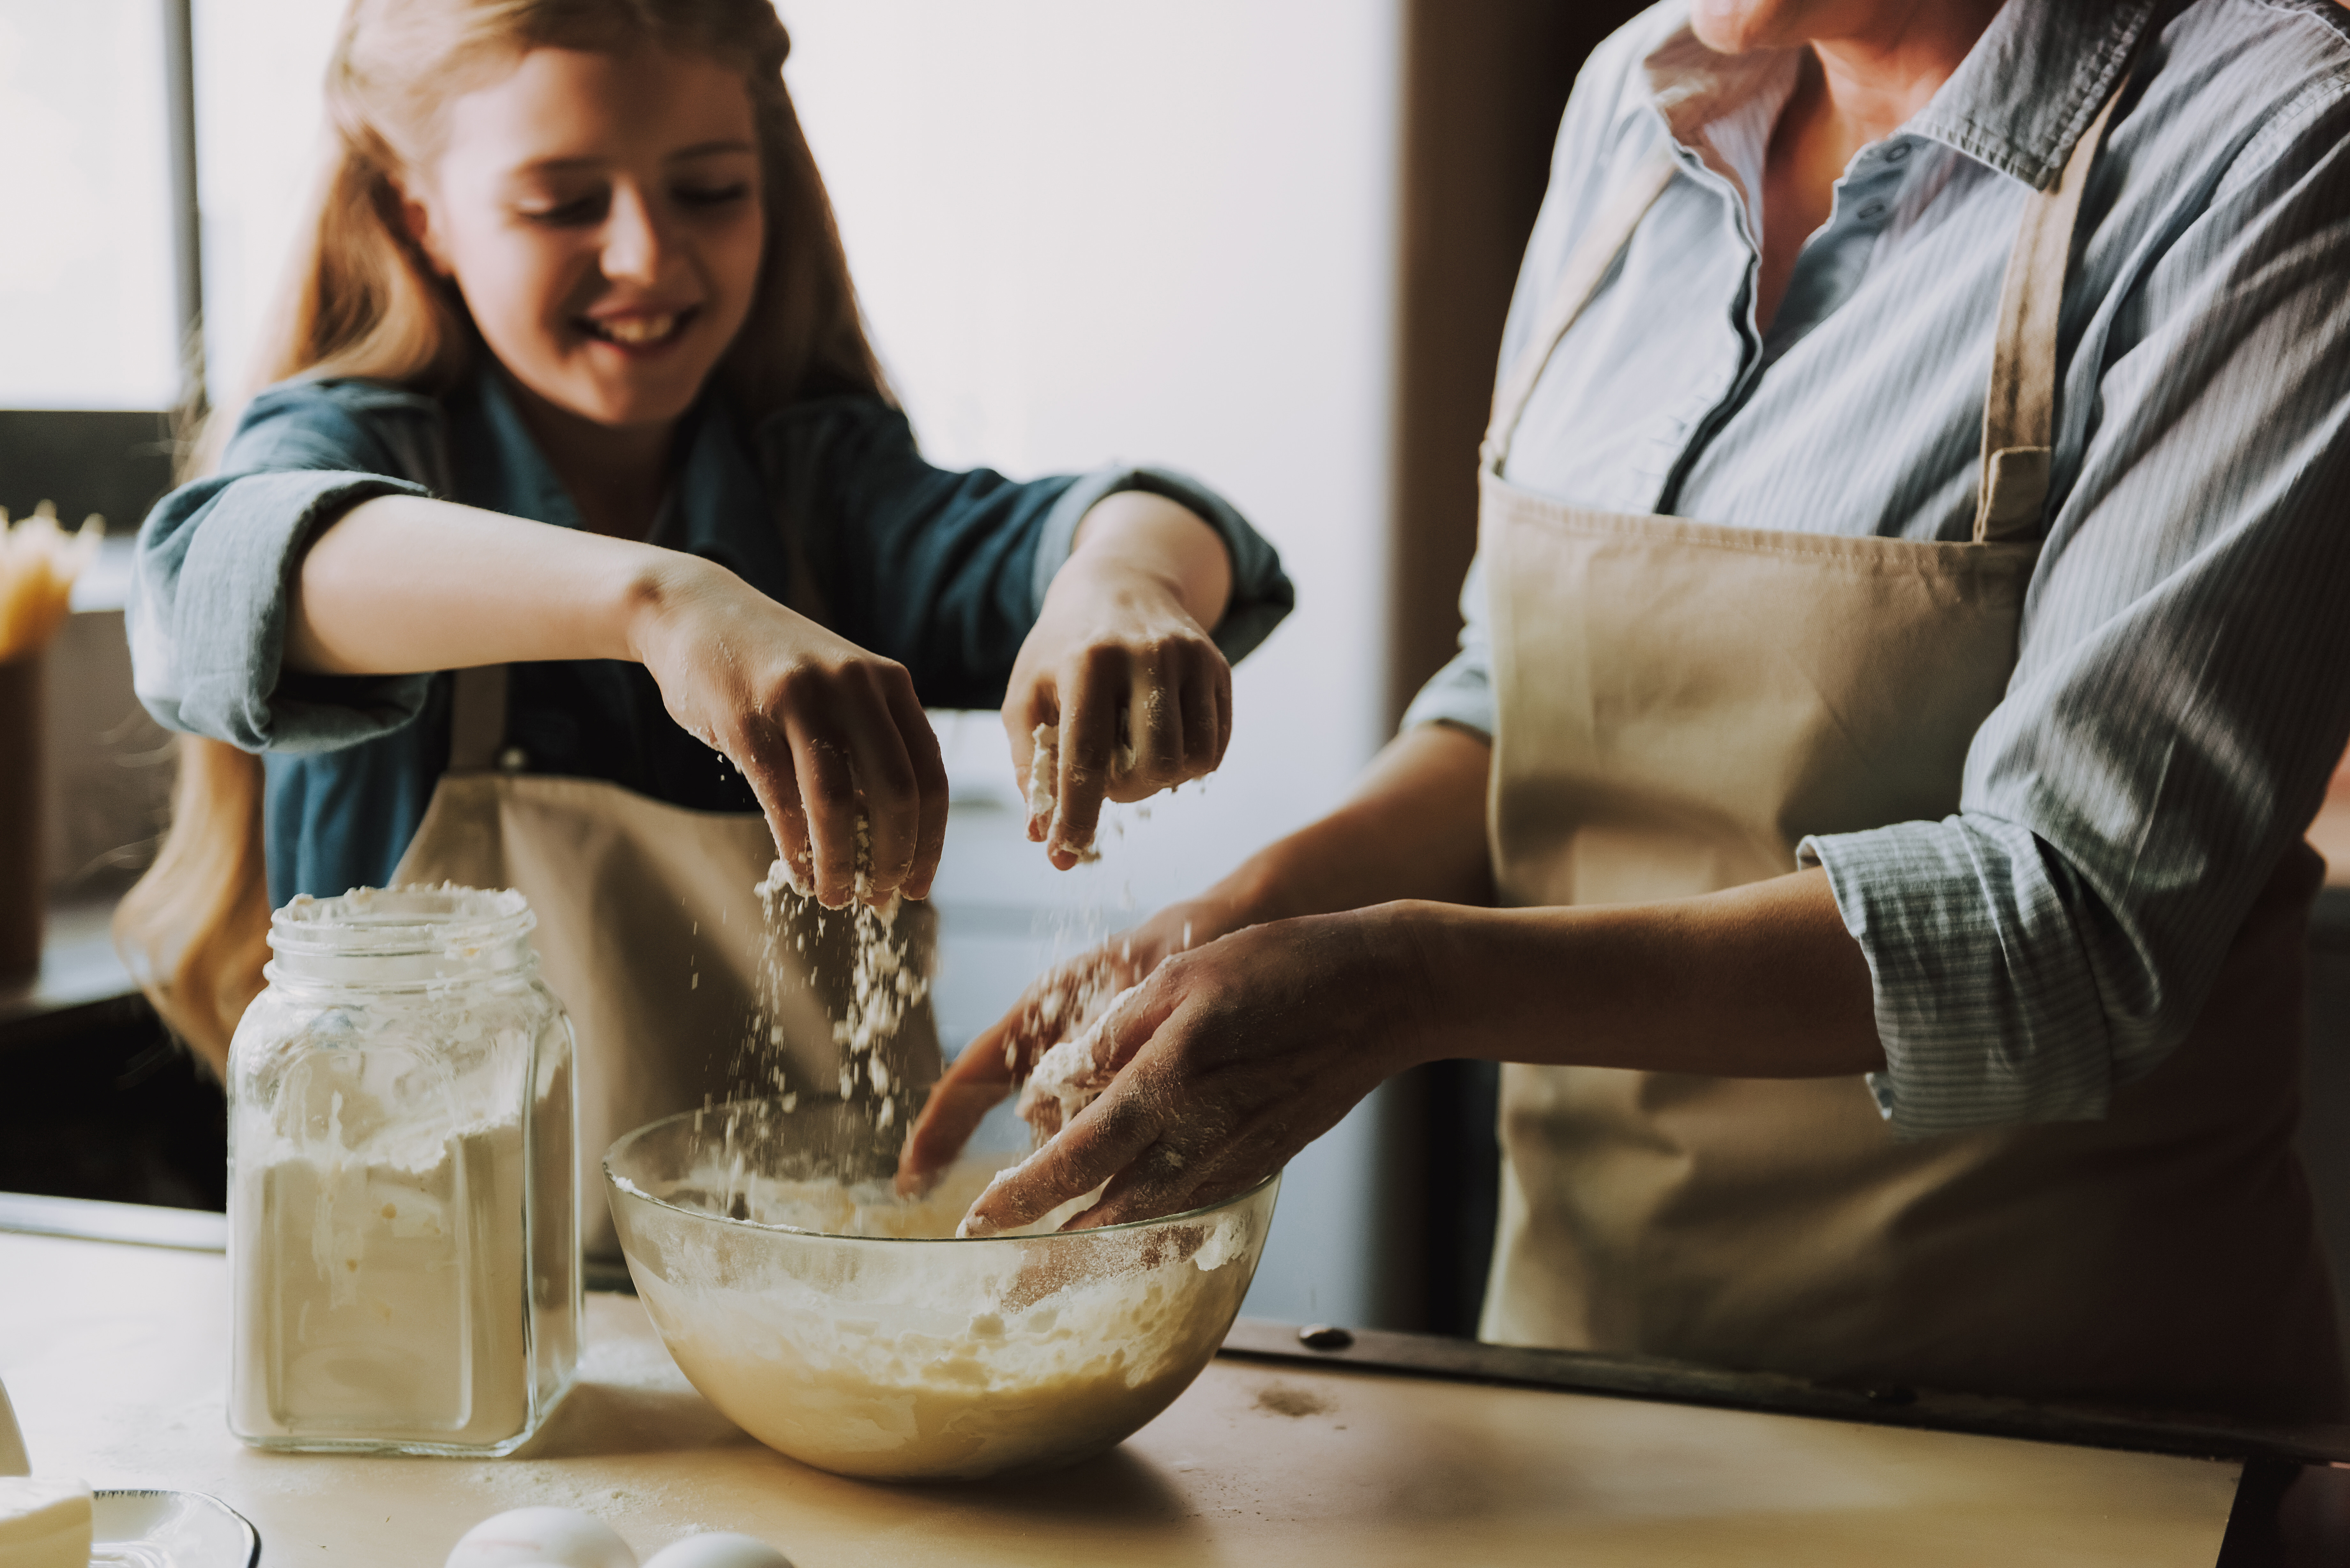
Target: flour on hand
{"x":1069,"y":1076}
{"x":1043,"y":776}
{"x":1045,"y":816}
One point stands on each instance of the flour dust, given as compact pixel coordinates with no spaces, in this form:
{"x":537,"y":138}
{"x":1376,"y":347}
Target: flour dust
{"x":886,"y":982}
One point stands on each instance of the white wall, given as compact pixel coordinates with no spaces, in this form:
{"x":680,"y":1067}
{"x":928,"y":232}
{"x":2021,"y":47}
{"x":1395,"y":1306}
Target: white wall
{"x":1096,"y":229}
{"x":1083,"y":230}
{"x":1086,"y":229}
{"x":259,"y":139}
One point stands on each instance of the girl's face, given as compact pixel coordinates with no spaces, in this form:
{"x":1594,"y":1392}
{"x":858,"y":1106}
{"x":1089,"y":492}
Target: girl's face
{"x":602,"y":217}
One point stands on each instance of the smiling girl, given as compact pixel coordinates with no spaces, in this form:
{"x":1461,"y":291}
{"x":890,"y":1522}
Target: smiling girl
{"x":569,"y":377}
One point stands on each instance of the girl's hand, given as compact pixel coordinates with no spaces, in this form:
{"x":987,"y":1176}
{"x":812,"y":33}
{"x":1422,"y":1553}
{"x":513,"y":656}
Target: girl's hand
{"x":1120,"y":669}
{"x":1059,"y":1004}
{"x":821,"y":728}
{"x":1224,"y":1064}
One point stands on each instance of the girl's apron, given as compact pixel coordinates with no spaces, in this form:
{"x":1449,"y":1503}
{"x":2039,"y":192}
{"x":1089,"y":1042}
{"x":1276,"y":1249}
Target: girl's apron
{"x":650,"y":931}
{"x":1678,"y":704}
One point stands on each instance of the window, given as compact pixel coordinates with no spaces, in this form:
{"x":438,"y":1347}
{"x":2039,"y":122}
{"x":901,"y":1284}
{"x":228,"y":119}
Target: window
{"x":88,"y":312}
{"x":260,"y":137}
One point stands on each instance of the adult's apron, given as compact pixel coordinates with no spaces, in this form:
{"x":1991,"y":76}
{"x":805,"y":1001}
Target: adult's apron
{"x":650,"y":931}
{"x":1680,"y":704}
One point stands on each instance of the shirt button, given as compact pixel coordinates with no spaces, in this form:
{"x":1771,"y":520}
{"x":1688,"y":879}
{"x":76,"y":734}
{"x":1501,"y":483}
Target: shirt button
{"x":1896,"y":153}
{"x":514,"y":759}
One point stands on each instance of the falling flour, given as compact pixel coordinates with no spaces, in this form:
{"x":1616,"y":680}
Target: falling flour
{"x":885,"y":981}
{"x":868,"y":1355}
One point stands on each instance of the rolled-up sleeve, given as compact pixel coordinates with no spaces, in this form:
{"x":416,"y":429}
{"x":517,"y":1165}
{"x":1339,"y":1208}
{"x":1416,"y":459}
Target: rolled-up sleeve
{"x":1261,"y":593}
{"x":2182,"y":690}
{"x":214,"y":572}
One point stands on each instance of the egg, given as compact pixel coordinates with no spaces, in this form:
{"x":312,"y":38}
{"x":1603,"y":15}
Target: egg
{"x":530,"y":1537}
{"x":718,"y":1550}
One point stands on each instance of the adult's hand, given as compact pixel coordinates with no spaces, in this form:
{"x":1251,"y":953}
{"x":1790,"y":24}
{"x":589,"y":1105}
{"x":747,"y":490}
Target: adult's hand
{"x":825,"y":731}
{"x":1059,"y":1004}
{"x":1416,"y":831}
{"x":1121,"y":670}
{"x":820,"y":727}
{"x":1225,"y":1063}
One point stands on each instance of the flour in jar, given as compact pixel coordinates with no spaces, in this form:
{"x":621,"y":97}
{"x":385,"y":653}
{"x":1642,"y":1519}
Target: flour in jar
{"x":382,"y":1261}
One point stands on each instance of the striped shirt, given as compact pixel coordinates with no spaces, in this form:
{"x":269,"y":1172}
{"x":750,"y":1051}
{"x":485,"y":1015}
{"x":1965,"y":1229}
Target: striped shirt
{"x":2183,"y":684}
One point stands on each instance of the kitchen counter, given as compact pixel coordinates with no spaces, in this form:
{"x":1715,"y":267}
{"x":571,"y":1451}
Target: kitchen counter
{"x":115,"y":1355}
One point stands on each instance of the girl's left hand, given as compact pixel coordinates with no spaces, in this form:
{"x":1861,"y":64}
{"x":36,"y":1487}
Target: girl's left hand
{"x":1226,"y":1062}
{"x":1140,"y":694}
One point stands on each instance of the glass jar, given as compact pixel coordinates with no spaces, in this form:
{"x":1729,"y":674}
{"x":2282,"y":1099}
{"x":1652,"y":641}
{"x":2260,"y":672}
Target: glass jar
{"x":404,"y":1207}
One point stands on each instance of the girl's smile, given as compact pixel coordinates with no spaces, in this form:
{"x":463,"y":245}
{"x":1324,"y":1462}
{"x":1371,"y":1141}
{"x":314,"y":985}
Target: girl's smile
{"x":639,"y":332}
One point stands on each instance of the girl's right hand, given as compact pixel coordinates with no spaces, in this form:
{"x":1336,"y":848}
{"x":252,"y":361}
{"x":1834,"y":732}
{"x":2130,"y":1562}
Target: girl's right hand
{"x":1058,"y":1005}
{"x":823,"y":730}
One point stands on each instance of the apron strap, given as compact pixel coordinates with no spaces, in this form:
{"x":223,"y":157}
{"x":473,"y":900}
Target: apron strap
{"x":477,"y":719}
{"x":2019,"y":411}
{"x":1586,"y":269}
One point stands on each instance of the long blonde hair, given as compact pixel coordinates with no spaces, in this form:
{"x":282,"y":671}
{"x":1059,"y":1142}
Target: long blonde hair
{"x":359,"y":299}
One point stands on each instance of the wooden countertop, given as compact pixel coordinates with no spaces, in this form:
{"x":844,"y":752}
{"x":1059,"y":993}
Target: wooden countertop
{"x":115,"y":1357}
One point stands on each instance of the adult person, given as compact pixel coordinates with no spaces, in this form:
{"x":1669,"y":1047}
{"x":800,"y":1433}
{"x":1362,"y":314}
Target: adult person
{"x":1866,"y":812}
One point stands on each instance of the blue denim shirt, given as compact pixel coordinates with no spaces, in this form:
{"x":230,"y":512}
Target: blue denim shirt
{"x":942,"y":571}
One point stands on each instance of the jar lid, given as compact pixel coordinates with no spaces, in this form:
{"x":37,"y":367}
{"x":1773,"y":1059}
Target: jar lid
{"x":394,"y":921}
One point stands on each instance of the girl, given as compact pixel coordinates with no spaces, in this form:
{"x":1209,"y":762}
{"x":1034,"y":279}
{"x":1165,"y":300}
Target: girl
{"x":570,"y":378}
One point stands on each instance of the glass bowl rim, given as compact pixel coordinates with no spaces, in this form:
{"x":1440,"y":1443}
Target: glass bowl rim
{"x":613,"y":1180}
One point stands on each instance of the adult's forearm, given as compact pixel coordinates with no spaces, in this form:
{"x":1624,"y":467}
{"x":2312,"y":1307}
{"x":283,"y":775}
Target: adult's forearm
{"x":401,"y":584}
{"x":1760,"y":981}
{"x":1415,"y":828}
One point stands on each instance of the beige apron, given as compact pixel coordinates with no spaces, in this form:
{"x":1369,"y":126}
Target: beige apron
{"x":650,"y":933}
{"x":1680,"y":704}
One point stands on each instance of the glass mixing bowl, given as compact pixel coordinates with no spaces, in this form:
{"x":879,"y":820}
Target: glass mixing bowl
{"x":856,"y":1334}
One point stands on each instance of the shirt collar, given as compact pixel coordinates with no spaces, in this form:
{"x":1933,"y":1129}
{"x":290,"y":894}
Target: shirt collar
{"x":1721,"y":107}
{"x":2018,"y":102}
{"x":2034,"y":81}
